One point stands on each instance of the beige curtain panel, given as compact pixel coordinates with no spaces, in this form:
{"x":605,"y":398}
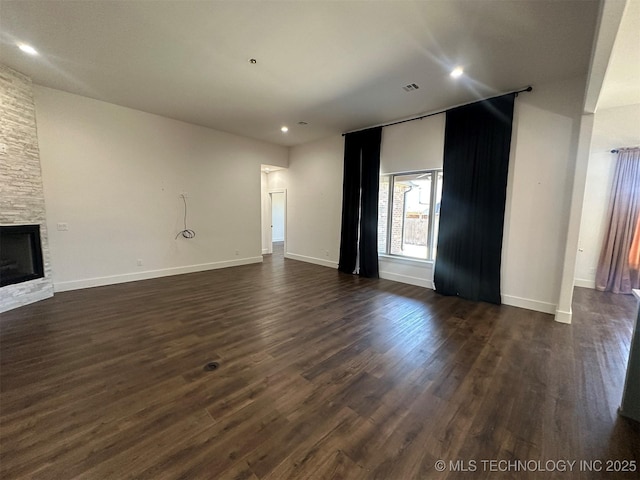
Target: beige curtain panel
{"x":620,"y":256}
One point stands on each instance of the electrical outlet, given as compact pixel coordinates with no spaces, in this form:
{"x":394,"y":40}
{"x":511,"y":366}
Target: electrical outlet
{"x":139,"y":262}
{"x":62,"y":227}
{"x":237,"y":252}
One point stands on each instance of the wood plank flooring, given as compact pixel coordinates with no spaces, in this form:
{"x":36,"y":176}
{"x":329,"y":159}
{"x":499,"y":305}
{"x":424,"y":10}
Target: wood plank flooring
{"x":322,"y":375}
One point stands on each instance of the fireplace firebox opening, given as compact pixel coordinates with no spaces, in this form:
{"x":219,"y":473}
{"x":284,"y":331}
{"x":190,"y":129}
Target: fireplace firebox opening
{"x":20,"y":254}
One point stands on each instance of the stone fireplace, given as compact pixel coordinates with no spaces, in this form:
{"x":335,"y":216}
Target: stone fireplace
{"x":22,"y":211}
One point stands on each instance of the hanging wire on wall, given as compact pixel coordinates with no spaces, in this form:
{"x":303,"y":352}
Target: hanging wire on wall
{"x":187,"y":232}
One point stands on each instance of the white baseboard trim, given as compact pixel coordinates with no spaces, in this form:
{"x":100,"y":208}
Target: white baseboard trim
{"x":146,"y":275}
{"x":529,"y":304}
{"x":265,"y":251}
{"x":314,"y":260}
{"x":579,"y":282}
{"x":563,"y":317}
{"x":397,"y":277}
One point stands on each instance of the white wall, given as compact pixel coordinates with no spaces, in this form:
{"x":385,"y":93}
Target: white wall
{"x":277,"y":180}
{"x":314,"y":201}
{"x":612,"y":128}
{"x":114,"y":175}
{"x":540,"y":181}
{"x":543,"y":149}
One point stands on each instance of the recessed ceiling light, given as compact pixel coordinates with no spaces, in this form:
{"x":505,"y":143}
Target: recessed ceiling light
{"x":456,"y":72}
{"x":284,"y":129}
{"x":27,"y":49}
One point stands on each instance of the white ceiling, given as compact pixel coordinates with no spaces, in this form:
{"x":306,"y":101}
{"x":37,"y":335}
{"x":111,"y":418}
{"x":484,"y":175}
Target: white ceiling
{"x":621,"y":84}
{"x":338,"y":65}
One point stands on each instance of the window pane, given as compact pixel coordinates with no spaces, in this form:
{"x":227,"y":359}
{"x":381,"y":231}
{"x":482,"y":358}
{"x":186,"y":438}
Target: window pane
{"x":410,"y":215}
{"x":383,"y":213}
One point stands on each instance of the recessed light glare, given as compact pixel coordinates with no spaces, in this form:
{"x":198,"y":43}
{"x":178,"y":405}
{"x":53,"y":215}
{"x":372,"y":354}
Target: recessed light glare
{"x":456,"y":72}
{"x":27,"y":49}
{"x":266,"y":170}
{"x":284,"y":129}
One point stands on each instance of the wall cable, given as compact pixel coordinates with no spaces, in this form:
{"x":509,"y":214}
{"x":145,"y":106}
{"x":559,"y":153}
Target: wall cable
{"x":186,"y":233}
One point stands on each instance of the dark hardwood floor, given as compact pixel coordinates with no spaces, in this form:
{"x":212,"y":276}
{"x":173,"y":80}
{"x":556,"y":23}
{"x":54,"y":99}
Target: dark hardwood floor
{"x":321,"y":375}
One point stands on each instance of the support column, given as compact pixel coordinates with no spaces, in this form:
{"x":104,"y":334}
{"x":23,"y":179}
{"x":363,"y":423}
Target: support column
{"x":563,"y":311}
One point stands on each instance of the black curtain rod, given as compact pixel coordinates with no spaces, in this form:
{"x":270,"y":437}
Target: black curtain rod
{"x":528,"y":89}
{"x":616,"y":150}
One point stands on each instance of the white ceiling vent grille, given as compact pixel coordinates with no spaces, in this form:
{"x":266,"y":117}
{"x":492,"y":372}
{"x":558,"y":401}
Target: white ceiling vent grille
{"x":411,"y":87}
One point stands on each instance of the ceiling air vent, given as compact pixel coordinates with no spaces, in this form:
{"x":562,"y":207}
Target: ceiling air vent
{"x":411,"y":87}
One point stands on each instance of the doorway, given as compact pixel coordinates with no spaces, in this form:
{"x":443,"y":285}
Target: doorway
{"x":277,"y":221}
{"x":273,"y":193}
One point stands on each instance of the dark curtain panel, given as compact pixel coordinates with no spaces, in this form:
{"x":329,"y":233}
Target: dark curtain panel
{"x":358,"y":240}
{"x":350,"y":206}
{"x":370,"y":183}
{"x":476,"y":161}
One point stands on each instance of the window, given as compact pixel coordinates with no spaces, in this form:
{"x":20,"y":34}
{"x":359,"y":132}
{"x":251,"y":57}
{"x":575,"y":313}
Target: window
{"x":408,"y":214}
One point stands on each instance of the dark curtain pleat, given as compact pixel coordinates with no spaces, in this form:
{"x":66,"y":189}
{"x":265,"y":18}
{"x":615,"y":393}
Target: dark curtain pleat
{"x":370,"y":181}
{"x":476,"y":163}
{"x":360,"y":202}
{"x":350,"y":206}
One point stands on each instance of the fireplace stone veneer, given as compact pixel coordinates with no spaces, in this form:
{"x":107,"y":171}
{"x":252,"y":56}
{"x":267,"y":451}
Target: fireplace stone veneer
{"x":21,"y":192}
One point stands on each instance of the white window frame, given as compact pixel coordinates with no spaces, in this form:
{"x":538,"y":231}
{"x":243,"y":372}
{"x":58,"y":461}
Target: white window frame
{"x":430,"y":236}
